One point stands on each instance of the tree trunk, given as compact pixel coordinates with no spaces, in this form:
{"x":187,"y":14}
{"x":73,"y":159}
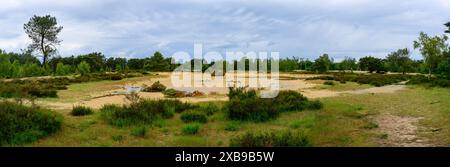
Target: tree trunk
{"x":429,"y":73}
{"x":44,"y":53}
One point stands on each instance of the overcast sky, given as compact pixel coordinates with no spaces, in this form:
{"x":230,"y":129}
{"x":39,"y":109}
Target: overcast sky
{"x":137,"y":28}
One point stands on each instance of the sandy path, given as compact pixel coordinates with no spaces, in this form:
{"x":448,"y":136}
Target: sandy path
{"x":400,"y":131}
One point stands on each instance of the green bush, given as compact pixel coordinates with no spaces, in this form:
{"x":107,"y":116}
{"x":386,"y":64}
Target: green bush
{"x":83,"y":68}
{"x":372,"y":79}
{"x":194,"y":116}
{"x":143,"y":112}
{"x":209,"y":109}
{"x":81,"y":111}
{"x":314,"y":105}
{"x":21,"y":124}
{"x":27,"y":88}
{"x":155,"y":87}
{"x":116,"y":77}
{"x":232,"y":126}
{"x":47,"y":87}
{"x":331,"y":83}
{"x":290,"y":101}
{"x":271,"y":139}
{"x":191,"y":129}
{"x":430,"y":82}
{"x":246,"y":105}
{"x":139,"y":131}
{"x":171,"y":93}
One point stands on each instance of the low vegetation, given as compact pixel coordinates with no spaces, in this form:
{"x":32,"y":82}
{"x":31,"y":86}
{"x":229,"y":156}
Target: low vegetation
{"x":191,"y":129}
{"x":21,"y":124}
{"x":81,"y":111}
{"x":142,"y":112}
{"x":271,"y":139}
{"x":194,"y":116}
{"x":430,"y":82}
{"x":155,"y":87}
{"x":373,"y":79}
{"x":172,"y":93}
{"x":247,"y":105}
{"x":48,"y":87}
{"x":139,"y":131}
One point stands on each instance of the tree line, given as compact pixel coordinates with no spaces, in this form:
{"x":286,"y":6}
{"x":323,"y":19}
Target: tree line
{"x":43,"y":32}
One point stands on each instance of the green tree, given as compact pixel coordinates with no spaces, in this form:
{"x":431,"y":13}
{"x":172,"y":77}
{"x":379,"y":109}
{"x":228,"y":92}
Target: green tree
{"x":432,"y":50}
{"x":348,"y":64}
{"x":62,"y":69}
{"x":5,"y":65}
{"x":322,"y":64}
{"x":448,"y":26}
{"x":43,"y":32}
{"x":83,"y":68}
{"x":96,"y":60}
{"x":371,"y":64}
{"x":157,"y":63}
{"x":444,"y":68}
{"x":399,"y":61}
{"x":31,"y":70}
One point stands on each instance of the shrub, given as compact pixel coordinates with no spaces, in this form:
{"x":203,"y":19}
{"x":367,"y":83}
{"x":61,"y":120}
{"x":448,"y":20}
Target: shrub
{"x":116,"y":77}
{"x":62,"y":69}
{"x":232,"y":126}
{"x":271,"y":139}
{"x":139,"y":131}
{"x":21,"y":124}
{"x":432,"y":82}
{"x":83,"y":68}
{"x":81,"y":111}
{"x":155,"y":87}
{"x":290,"y":101}
{"x":373,"y":79}
{"x":142,"y":112}
{"x":246,"y":105}
{"x":314,"y":105}
{"x":191,"y":129}
{"x":43,"y":93}
{"x":194,"y":116}
{"x":331,"y":83}
{"x":209,"y":109}
{"x":252,"y":109}
{"x":172,"y":93}
{"x":27,"y":88}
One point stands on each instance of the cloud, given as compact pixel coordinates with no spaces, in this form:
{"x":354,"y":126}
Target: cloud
{"x":293,"y":27}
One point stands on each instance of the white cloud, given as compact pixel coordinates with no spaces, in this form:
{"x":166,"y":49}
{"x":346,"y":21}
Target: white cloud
{"x":293,"y":27}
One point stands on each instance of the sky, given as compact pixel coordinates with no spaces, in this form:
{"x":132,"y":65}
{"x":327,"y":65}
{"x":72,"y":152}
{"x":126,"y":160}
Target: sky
{"x":300,"y":28}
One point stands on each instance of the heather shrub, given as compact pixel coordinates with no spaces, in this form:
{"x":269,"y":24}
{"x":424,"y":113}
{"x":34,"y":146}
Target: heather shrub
{"x":155,"y":87}
{"x":191,"y":129}
{"x":21,"y":124}
{"x":194,"y":116}
{"x":271,"y":139}
{"x":81,"y":111}
{"x":142,"y":112}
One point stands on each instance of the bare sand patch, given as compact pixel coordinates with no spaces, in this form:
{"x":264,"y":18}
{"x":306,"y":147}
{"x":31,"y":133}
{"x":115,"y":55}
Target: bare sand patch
{"x":400,"y":131}
{"x":383,"y":89}
{"x":99,"y":98}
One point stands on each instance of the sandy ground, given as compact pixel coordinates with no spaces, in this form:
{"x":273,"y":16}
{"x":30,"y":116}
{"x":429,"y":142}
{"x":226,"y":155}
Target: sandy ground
{"x":400,"y":131}
{"x":287,"y":81}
